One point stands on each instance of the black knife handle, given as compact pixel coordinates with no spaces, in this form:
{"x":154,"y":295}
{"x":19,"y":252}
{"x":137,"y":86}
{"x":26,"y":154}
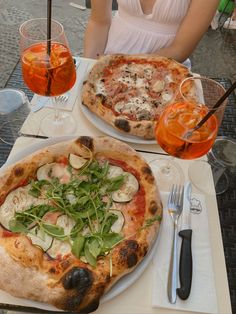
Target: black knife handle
{"x":186,"y":264}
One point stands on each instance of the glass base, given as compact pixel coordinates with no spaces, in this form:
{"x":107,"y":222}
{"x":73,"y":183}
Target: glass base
{"x":222,"y":185}
{"x":166,"y":172}
{"x":10,"y":131}
{"x":208,"y":179}
{"x":64,"y":125}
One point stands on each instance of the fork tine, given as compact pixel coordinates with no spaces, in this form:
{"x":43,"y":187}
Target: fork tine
{"x":178,"y":194}
{"x":182,"y":196}
{"x":175,"y":196}
{"x":170,"y":198}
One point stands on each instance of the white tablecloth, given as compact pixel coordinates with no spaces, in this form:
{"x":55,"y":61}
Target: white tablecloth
{"x":137,"y":299}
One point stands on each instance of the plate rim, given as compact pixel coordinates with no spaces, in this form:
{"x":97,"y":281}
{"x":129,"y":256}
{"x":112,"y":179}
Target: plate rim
{"x":109,"y":130}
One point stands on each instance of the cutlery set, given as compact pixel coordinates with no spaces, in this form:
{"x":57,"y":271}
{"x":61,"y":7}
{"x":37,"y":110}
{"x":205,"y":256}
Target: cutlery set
{"x":179,"y":204}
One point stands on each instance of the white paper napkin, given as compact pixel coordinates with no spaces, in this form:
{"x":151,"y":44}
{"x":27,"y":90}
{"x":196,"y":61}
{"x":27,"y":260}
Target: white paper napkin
{"x":203,"y":294}
{"x":39,"y":102}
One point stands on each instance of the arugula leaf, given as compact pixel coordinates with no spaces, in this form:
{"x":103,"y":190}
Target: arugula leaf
{"x":149,"y":222}
{"x":53,"y":230}
{"x":108,"y":222}
{"x":110,"y":240}
{"x":89,"y":256}
{"x":78,"y":245}
{"x":16,"y":226}
{"x":115,"y":183}
{"x":36,"y":187}
{"x":86,"y":199}
{"x":94,"y":246}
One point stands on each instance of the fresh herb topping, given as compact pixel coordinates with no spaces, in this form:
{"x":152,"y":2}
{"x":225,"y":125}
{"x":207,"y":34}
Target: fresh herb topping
{"x":87,"y":200}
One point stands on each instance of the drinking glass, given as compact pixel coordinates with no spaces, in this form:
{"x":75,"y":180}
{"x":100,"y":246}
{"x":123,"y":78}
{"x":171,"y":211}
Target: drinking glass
{"x":221,"y":161}
{"x":48,"y":70}
{"x":175,"y":130}
{"x":14,"y":108}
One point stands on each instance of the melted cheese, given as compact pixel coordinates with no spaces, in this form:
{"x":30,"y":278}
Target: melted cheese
{"x":166,"y":97}
{"x":169,"y":78}
{"x":135,"y":106}
{"x":100,"y":88}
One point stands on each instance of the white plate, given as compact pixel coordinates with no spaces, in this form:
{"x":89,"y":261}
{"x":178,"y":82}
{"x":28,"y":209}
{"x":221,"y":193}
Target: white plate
{"x":125,"y":281}
{"x":108,"y":129}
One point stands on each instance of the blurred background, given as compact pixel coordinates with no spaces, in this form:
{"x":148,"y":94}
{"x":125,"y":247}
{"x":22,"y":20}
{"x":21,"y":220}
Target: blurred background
{"x":215,"y":55}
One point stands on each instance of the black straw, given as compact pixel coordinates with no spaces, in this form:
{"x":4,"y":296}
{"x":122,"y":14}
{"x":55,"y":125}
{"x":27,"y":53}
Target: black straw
{"x":49,"y":24}
{"x":217,"y":105}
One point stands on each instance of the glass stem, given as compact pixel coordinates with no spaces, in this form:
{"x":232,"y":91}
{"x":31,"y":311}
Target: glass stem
{"x":167,"y":168}
{"x":57,"y":114}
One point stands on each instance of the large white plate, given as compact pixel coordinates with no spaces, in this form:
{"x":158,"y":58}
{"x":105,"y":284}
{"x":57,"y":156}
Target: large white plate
{"x":108,"y":129}
{"x":125,"y":281}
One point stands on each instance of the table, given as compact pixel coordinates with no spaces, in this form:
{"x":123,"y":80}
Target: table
{"x":226,"y":205}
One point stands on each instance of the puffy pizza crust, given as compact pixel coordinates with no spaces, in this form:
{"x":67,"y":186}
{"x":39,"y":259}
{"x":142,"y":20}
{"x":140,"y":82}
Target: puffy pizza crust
{"x":144,"y":128}
{"x":69,"y":284}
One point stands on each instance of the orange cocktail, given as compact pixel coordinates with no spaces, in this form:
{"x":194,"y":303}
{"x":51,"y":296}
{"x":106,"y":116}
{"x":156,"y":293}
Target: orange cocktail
{"x":48,"y":75}
{"x":176,"y":121}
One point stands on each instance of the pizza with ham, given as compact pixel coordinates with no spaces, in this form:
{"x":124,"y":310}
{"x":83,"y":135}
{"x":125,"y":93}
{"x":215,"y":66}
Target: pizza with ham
{"x":130,"y":91}
{"x":74,"y":218}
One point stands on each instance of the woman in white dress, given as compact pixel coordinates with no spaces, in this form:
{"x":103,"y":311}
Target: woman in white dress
{"x":170,"y":28}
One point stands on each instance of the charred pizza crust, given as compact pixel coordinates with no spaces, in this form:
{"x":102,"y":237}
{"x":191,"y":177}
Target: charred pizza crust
{"x":69,"y":284}
{"x":99,"y":104}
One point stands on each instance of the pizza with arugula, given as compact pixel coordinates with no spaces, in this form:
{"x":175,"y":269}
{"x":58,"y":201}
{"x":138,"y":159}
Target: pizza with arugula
{"x":75,"y":217}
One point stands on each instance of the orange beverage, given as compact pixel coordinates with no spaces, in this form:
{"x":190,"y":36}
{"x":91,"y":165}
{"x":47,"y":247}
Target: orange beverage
{"x":176,"y":121}
{"x":48,"y":75}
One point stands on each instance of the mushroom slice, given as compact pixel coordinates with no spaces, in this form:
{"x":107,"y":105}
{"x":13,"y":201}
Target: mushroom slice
{"x":128,"y":189}
{"x":158,"y":86}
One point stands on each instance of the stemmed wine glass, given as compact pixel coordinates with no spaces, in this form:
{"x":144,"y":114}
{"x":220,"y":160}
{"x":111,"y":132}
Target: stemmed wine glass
{"x":48,"y":69}
{"x":221,"y":162}
{"x":175,"y":131}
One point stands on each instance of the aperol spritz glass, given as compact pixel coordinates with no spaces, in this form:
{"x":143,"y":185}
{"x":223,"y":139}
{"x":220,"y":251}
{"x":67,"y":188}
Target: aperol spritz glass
{"x":175,"y":130}
{"x":48,"y":69}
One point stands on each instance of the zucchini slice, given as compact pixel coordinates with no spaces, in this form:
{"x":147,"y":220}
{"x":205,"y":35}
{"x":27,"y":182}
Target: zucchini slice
{"x":66,"y":223}
{"x":119,"y":223}
{"x":114,"y":171}
{"x":128,"y":189}
{"x":54,"y":170}
{"x":40,"y":238}
{"x":44,"y":172}
{"x":76,"y":161}
{"x":59,"y":248}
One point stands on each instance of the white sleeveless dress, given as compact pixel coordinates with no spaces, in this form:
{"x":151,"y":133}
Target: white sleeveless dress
{"x":132,"y":31}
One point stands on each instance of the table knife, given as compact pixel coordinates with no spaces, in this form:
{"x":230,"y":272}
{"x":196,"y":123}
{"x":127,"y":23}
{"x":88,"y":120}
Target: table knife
{"x":186,"y":261}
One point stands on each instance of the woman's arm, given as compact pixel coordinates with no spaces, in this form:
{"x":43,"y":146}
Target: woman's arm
{"x":97,"y":29}
{"x":193,"y":27}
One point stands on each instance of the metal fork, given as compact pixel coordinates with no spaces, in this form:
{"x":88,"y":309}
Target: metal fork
{"x":62,"y":98}
{"x":175,"y":207}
